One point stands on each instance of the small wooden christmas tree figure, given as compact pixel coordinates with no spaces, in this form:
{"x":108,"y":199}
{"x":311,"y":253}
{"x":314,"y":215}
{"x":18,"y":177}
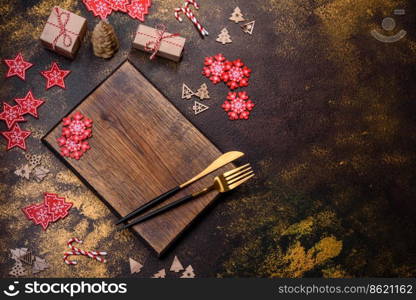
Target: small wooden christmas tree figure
{"x":160,"y":274}
{"x":237,"y":16}
{"x":202,"y":92}
{"x":135,"y":266}
{"x":248,"y":27}
{"x":176,"y":265}
{"x":104,"y":40}
{"x":224,"y":37}
{"x":187,"y":93}
{"x":188,"y":273}
{"x":199,"y":107}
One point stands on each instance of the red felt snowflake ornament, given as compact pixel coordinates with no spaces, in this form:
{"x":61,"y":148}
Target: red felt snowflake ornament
{"x":238,"y":105}
{"x":75,"y":130}
{"x":17,"y":66}
{"x":237,"y":75}
{"x":215,"y":67}
{"x":11,"y":114}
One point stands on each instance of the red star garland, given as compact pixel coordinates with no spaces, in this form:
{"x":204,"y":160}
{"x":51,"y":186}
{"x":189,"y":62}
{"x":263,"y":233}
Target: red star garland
{"x":75,"y":130}
{"x":55,"y":76}
{"x":17,"y":67}
{"x":238,"y":105}
{"x":51,"y":210}
{"x":118,"y":5}
{"x":29,"y":104}
{"x":11,"y":114}
{"x":138,"y":8}
{"x":16,"y":137}
{"x":100,"y":8}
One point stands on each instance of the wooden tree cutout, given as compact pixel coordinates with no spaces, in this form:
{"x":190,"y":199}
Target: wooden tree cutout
{"x":224,"y":37}
{"x":248,"y":27}
{"x":160,"y":274}
{"x":135,"y":266}
{"x":199,"y":107}
{"x":176,"y":265}
{"x":237,"y":16}
{"x":39,"y":265}
{"x":18,"y":270}
{"x":187,"y":93}
{"x":188,"y":273}
{"x":202,"y":92}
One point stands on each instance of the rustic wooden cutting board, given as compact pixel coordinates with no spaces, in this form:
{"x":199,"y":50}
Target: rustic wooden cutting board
{"x":141,"y":147}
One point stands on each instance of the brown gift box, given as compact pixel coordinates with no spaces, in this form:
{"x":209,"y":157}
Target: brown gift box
{"x":171,"y":47}
{"x":63,"y":32}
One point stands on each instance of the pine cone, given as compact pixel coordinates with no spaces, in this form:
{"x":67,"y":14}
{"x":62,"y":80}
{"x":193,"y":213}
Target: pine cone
{"x":104,"y":40}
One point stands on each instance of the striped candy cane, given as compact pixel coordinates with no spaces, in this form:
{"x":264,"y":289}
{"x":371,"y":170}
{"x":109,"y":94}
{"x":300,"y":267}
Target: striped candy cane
{"x":76,"y":251}
{"x":188,"y":12}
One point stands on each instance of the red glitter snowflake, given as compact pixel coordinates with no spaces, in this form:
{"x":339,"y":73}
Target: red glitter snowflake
{"x":215,"y":67}
{"x":238,"y":105}
{"x":76,"y":129}
{"x":237,"y":75}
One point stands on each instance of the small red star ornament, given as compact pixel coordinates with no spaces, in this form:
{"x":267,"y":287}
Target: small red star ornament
{"x":29,"y":104}
{"x":16,"y":137}
{"x":17,"y":66}
{"x":138,"y":9}
{"x":11,"y":114}
{"x":238,"y":106}
{"x":55,"y":76}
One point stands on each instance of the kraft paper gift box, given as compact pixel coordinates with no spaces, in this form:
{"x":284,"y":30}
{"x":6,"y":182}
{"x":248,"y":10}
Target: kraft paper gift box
{"x":63,"y":32}
{"x":170,"y":47}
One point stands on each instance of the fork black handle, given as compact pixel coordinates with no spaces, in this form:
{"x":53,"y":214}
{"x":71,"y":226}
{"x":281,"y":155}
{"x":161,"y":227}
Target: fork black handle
{"x":149,"y":204}
{"x":161,"y":210}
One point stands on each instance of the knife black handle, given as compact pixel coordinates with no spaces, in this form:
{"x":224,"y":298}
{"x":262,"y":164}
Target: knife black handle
{"x":160,"y":210}
{"x":149,"y":204}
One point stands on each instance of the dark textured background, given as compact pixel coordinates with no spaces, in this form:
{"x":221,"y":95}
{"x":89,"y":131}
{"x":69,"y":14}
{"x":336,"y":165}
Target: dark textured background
{"x":332,"y":139}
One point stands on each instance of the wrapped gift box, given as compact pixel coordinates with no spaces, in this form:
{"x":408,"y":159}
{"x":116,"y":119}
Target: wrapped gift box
{"x":63,"y":32}
{"x":170,"y":46}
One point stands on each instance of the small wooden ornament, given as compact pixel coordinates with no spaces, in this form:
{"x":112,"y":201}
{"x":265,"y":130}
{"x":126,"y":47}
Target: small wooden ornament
{"x":248,"y":27}
{"x":18,"y":252}
{"x":18,"y":270}
{"x":237,"y":16}
{"x":187,"y":93}
{"x":224,"y":37}
{"x":40,"y":172}
{"x":39,"y":264}
{"x":199,"y":107}
{"x":202,"y":92}
{"x":160,"y":274}
{"x":176,"y":265}
{"x":188,"y":273}
{"x":34,"y":160}
{"x":24,"y":171}
{"x":135,"y":266}
{"x":27,"y":258}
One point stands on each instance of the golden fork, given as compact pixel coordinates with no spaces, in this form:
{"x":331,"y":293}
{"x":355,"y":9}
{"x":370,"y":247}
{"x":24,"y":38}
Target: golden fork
{"x":222,"y":183}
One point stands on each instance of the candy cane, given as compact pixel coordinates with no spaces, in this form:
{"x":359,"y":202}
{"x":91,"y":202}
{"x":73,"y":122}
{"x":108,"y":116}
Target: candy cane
{"x":76,"y":251}
{"x":188,"y":12}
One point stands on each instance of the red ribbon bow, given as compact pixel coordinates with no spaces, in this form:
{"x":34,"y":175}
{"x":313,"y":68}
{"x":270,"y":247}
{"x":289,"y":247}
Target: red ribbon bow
{"x":67,"y":40}
{"x":161,"y":29}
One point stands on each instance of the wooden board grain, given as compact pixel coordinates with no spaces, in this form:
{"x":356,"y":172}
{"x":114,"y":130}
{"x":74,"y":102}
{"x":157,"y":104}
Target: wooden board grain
{"x":141,"y":147}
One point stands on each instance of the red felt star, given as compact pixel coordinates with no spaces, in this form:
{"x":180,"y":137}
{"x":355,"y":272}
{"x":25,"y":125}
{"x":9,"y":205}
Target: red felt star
{"x":11,"y":114}
{"x":138,"y":8}
{"x":55,"y":76}
{"x":57,"y":207}
{"x":29,"y":104}
{"x":17,"y":66}
{"x":16,"y":137}
{"x":119,"y":5}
